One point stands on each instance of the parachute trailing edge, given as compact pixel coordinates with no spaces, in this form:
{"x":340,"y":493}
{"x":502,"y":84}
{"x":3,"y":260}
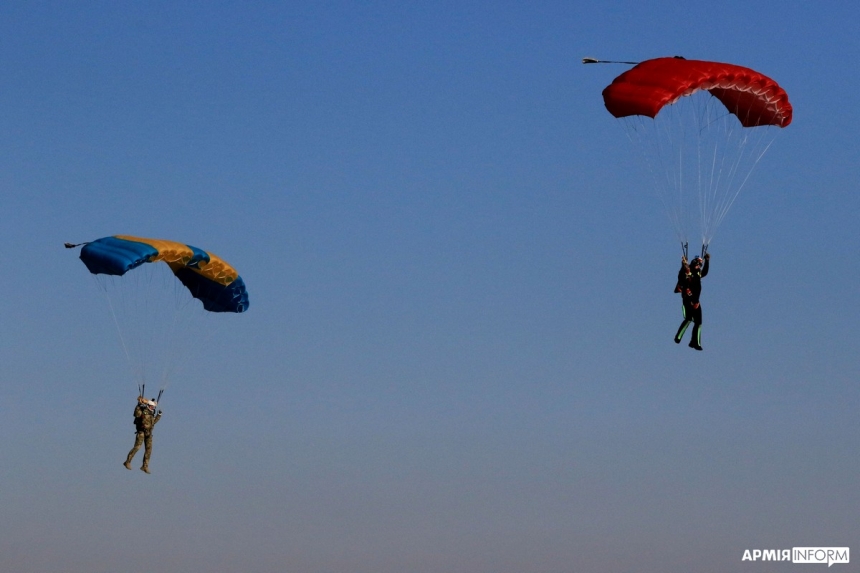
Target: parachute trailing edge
{"x":752,"y":97}
{"x":207,"y":277}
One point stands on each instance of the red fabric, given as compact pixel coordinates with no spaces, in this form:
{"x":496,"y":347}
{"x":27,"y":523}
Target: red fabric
{"x":643,"y":90}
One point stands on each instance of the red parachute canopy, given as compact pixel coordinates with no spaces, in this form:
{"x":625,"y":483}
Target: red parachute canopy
{"x":643,"y":90}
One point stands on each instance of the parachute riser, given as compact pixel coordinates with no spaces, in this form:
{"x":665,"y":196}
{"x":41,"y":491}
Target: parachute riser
{"x":158,"y":400}
{"x":685,"y":250}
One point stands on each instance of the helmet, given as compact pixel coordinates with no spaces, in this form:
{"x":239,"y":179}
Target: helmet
{"x":150,"y":404}
{"x":696,"y":261}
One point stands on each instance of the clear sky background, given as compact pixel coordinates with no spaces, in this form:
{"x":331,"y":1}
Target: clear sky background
{"x":458,"y":355}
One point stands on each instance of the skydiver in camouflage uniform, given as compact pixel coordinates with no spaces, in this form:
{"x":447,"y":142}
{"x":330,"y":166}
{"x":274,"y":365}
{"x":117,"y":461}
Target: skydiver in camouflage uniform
{"x":690,"y":286}
{"x":145,"y":420}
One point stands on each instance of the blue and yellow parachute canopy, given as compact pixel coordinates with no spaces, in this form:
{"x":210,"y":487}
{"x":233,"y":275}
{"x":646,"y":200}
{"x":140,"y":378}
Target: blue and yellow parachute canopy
{"x":207,"y":277}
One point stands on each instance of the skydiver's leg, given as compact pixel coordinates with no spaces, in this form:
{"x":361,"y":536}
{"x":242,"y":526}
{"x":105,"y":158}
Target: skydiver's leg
{"x":138,"y":440}
{"x":683,"y":328}
{"x":696,"y":338}
{"x":146,"y":453}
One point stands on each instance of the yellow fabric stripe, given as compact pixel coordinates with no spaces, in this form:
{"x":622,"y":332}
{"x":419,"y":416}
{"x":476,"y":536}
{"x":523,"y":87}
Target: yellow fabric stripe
{"x":177,"y":255}
{"x":217,"y":270}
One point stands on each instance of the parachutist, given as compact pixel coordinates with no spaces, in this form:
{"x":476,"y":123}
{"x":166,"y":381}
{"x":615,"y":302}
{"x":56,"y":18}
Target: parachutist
{"x":690,"y":286}
{"x":145,"y":420}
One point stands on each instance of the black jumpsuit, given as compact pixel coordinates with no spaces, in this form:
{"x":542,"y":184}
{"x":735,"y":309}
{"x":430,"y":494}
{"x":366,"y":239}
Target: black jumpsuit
{"x":690,"y":287}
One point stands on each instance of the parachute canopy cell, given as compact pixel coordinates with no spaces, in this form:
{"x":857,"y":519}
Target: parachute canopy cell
{"x":206,"y":276}
{"x":645,"y":89}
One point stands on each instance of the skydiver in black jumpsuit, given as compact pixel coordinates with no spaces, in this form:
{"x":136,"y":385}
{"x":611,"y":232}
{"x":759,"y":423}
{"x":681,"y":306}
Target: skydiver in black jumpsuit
{"x":690,"y":286}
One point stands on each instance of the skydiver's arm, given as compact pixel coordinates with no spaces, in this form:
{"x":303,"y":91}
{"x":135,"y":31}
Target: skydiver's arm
{"x":680,"y":286}
{"x":706,"y":266}
{"x":682,"y":280}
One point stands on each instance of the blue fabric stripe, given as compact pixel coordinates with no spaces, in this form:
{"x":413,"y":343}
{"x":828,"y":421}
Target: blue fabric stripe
{"x":112,"y":256}
{"x":199,"y":256}
{"x":215,"y":296}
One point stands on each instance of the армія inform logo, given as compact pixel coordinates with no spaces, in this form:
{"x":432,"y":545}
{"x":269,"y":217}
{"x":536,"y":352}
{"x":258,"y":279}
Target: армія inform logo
{"x":823,"y":555}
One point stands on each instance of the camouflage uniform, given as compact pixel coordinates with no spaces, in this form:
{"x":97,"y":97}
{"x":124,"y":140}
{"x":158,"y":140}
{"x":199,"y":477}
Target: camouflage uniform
{"x":144,"y":422}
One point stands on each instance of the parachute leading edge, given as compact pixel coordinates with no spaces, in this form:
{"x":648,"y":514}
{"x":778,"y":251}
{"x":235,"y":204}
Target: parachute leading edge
{"x":206,"y":276}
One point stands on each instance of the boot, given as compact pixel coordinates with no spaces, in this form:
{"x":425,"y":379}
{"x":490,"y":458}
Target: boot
{"x":127,"y":464}
{"x":145,"y":469}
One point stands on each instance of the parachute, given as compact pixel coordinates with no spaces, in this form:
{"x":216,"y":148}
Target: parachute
{"x":701,"y":128}
{"x":208,"y":278}
{"x":163,"y":313}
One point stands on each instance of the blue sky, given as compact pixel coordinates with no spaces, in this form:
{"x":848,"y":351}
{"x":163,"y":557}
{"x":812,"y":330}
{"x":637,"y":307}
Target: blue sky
{"x":458,"y":355}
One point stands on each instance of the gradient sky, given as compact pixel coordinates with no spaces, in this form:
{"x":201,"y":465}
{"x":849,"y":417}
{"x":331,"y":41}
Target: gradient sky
{"x":458,"y":355}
